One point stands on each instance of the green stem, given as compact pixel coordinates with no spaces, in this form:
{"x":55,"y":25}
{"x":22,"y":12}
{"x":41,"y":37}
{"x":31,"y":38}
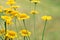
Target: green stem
{"x":16,"y":25}
{"x":19,"y":24}
{"x":28,"y":37}
{"x":1,"y":38}
{"x":44,"y":30}
{"x":34,"y":27}
{"x":26,"y":31}
{"x":24,"y":37}
{"x":5,"y":30}
{"x":34,"y":6}
{"x":24,"y":24}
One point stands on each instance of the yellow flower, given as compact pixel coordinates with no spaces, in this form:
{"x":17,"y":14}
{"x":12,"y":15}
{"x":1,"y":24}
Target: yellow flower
{"x":1,"y":8}
{"x":35,"y":1}
{"x":15,"y":7}
{"x":6,"y":18}
{"x":14,"y":13}
{"x":25,"y":33}
{"x":8,"y":10}
{"x":10,"y":2}
{"x":46,"y":17}
{"x":23,"y":16}
{"x":2,"y":31}
{"x":34,"y":12}
{"x":9,"y":22}
{"x":11,"y":34}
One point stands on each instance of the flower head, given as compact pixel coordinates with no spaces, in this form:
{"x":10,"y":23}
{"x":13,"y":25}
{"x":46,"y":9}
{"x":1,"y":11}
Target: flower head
{"x":25,"y":33}
{"x":46,"y":17}
{"x":7,"y":19}
{"x":34,"y":12}
{"x":35,"y":1}
{"x":10,"y":2}
{"x":14,"y":13}
{"x":1,"y":10}
{"x":9,"y":22}
{"x":11,"y":34}
{"x":2,"y":31}
{"x":8,"y":10}
{"x":23,"y":16}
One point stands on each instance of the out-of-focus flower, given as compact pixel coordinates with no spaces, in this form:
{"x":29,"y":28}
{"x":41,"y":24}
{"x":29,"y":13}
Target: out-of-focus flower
{"x":9,"y":22}
{"x":7,"y":19}
{"x":11,"y":12}
{"x":35,"y":1}
{"x":14,"y":13}
{"x":11,"y":34}
{"x":15,"y":7}
{"x":8,"y":10}
{"x":34,"y":12}
{"x":1,"y":8}
{"x":46,"y":17}
{"x":2,"y":31}
{"x":25,"y":33}
{"x":23,"y":16}
{"x":10,"y":2}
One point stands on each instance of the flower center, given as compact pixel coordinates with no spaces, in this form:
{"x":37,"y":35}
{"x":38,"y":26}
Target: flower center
{"x":12,"y":34}
{"x":25,"y":32}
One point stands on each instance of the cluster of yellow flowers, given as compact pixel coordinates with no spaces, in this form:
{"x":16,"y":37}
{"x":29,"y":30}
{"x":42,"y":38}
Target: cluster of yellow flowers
{"x":13,"y":34}
{"x":11,"y":13}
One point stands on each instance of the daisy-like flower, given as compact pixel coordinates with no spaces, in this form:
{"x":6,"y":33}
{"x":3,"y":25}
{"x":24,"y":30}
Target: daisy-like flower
{"x":25,"y":33}
{"x":8,"y":10}
{"x":23,"y":16}
{"x":11,"y":34}
{"x":9,"y":22}
{"x":34,"y":12}
{"x":14,"y":13}
{"x":10,"y":2}
{"x":35,"y":1}
{"x":7,"y":19}
{"x":46,"y":17}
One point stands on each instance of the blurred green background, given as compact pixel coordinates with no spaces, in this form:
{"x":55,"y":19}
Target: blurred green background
{"x":45,"y":7}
